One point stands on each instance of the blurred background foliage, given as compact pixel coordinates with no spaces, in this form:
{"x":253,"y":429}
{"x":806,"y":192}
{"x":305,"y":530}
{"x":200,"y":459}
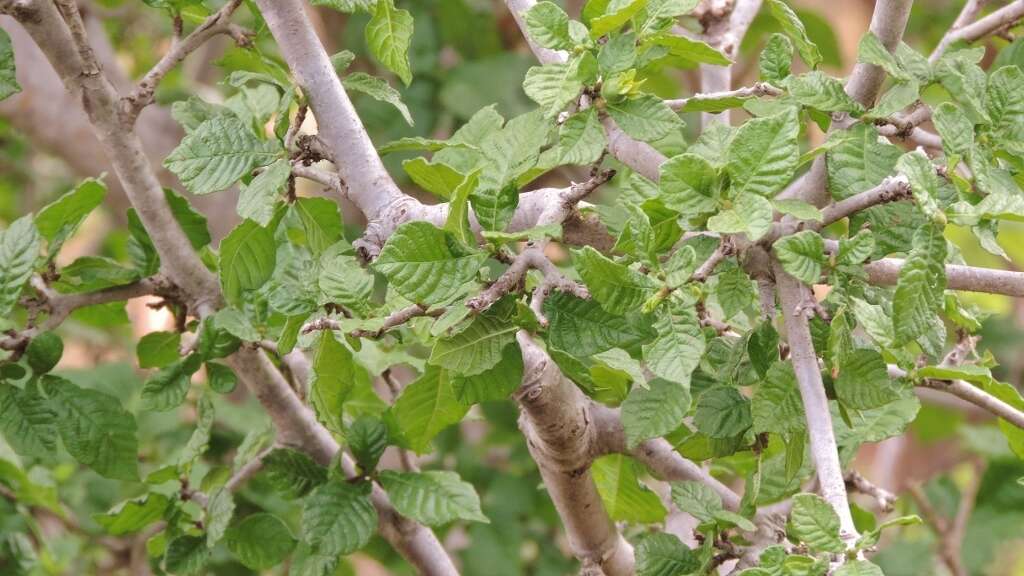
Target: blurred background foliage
{"x":468,"y":54}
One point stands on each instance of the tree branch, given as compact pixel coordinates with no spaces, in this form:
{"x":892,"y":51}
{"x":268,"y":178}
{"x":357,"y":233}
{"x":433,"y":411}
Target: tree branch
{"x":217,"y":23}
{"x":639,"y":156}
{"x":887,"y":23}
{"x":963,"y":32}
{"x":560,"y":434}
{"x":294,"y":422}
{"x":531,"y":258}
{"x":59,"y":306}
{"x":724,"y":29}
{"x":884,"y":500}
{"x":756,"y":90}
{"x":794,"y":296}
{"x":970,"y":393}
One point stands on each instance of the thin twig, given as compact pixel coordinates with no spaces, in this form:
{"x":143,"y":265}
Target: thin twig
{"x":217,"y":23}
{"x":991,"y":24}
{"x":884,"y":500}
{"x":756,"y":90}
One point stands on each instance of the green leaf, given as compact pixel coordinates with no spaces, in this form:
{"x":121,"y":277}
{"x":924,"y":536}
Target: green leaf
{"x":19,"y":248}
{"x":797,"y":208}
{"x":763,"y":347}
{"x":8,"y":80}
{"x":677,"y":350}
{"x":217,"y":153}
{"x":260,"y":541}
{"x":823,"y":92}
{"x":435,"y":177}
{"x":776,"y":59}
{"x":338,"y":518}
{"x":494,"y":208}
{"x":367,"y":438}
{"x":646,"y":118}
{"x":856,"y":249}
{"x":247,"y":259}
{"x":553,"y":86}
{"x":234,"y":322}
{"x":722,"y":412}
{"x":750,"y":214}
{"x":619,"y":12}
{"x":457,"y":221}
{"x":921,"y":283}
{"x":618,"y":54}
{"x":219,"y":511}
{"x":863,"y":381}
{"x":624,"y":496}
{"x":95,"y":429}
{"x":1005,"y":103}
{"x":258,"y":200}
{"x":475,"y":349}
{"x":186,"y":555}
{"x":901,"y":95}
{"x":548,"y":26}
{"x":662,"y":554}
{"x":801,"y":255}
{"x":585,"y":329}
{"x":433,"y":498}
{"x":763,"y":155}
{"x":321,"y":221}
{"x":794,"y":28}
{"x":332,"y":379}
{"x":924,"y":182}
{"x":427,"y":406}
{"x":221,"y":379}
{"x":859,"y":162}
{"x":158,"y":349}
{"x":870,"y":50}
{"x":965,"y":81}
{"x":64,"y":215}
{"x":688,"y":185}
{"x":654,"y":411}
{"x":28,"y":421}
{"x":813,"y":522}
{"x":694,"y":51}
{"x":291,"y":473}
{"x":495,"y":383}
{"x":379,"y":90}
{"x":696,"y":499}
{"x":735,"y":291}
{"x":200,"y":439}
{"x":43,"y":352}
{"x":388,"y":35}
{"x":777,"y":406}
{"x":426,"y":264}
{"x":581,"y":140}
{"x":133,"y":515}
{"x":617,"y":288}
{"x":956,"y":129}
{"x":166,"y":389}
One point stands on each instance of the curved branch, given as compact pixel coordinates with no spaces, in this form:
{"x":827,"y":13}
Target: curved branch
{"x":961,"y":32}
{"x":218,"y":23}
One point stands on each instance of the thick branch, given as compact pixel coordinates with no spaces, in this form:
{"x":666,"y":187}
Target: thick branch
{"x":560,"y":435}
{"x":100,"y":101}
{"x":217,"y":23}
{"x":794,"y":297}
{"x":370,"y":186}
{"x":885,"y":272}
